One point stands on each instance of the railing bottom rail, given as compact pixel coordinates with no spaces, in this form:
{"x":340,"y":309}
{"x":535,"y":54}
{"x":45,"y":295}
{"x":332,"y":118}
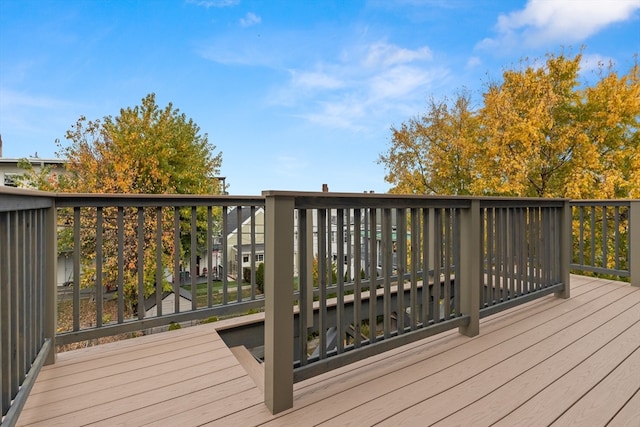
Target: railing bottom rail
{"x":11,"y":418}
{"x":307,"y":371}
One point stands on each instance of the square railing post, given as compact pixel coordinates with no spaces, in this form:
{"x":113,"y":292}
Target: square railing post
{"x":470,"y":272}
{"x":634,"y":242}
{"x":565,"y":249}
{"x":50,"y":279}
{"x":278,"y":288}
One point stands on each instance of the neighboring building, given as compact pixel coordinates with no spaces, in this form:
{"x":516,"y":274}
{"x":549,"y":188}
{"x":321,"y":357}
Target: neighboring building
{"x":9,"y":169}
{"x":168,"y":303}
{"x":238,"y":239}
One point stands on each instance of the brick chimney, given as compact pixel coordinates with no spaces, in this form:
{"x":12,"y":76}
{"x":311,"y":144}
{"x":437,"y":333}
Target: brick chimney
{"x":325,"y":188}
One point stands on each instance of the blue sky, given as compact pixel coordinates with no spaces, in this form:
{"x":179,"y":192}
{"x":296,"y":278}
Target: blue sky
{"x":293,"y":93}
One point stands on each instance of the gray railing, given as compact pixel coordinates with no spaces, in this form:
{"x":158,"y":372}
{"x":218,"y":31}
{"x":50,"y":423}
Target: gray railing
{"x":27,"y":297}
{"x":605,"y":235}
{"x":522,"y":251}
{"x":389,"y":269}
{"x":132,"y":251}
{"x":394,"y":269}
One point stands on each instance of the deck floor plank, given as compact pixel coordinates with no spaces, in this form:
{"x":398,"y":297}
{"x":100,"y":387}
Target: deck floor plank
{"x":360,"y":390}
{"x":604,"y":400}
{"x":562,"y":355}
{"x":446,"y":387}
{"x":629,"y":415}
{"x":489,"y":408}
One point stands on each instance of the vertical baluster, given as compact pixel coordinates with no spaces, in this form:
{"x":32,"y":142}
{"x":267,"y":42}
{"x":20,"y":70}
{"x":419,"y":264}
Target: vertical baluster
{"x":76,"y":268}
{"x":303,"y":276}
{"x":426,"y":286}
{"x":225,"y":254}
{"x":616,"y":228}
{"x":253,"y":252}
{"x":491,"y":284}
{"x":401,"y":255}
{"x":446,"y":297}
{"x":593,"y":235}
{"x":357,"y":277}
{"x":99,"y":260}
{"x":5,"y":312}
{"x":373,"y":273}
{"x":322,"y":281}
{"x":484,"y":250}
{"x":387,"y":247}
{"x":120,"y":233}
{"x":605,"y":239}
{"x":194,"y":260}
{"x":159,"y":272}
{"x":177,"y":276}
{"x":340,"y":320}
{"x":239,"y":252}
{"x":415,"y":262}
{"x":437,"y":262}
{"x":456,"y":238}
{"x":141,"y":312}
{"x":209,"y":253}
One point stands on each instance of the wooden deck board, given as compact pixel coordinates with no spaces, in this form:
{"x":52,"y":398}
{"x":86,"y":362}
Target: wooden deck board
{"x":555,"y":356}
{"x":485,"y":366}
{"x":561,"y":378}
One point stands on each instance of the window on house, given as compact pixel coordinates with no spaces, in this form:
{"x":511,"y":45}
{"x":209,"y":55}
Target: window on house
{"x":260,"y":257}
{"x":10,"y":180}
{"x":245,"y":258}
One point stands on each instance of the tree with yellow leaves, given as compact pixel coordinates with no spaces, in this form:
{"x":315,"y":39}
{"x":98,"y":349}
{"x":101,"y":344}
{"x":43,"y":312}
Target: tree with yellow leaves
{"x":148,"y":150}
{"x":539,"y":133}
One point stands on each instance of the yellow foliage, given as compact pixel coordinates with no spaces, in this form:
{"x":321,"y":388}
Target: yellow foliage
{"x":538,"y":133}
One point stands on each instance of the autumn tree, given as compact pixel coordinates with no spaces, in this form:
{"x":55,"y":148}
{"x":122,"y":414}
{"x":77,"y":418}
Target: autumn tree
{"x":146,"y":149}
{"x":44,"y":178}
{"x":434,"y":153}
{"x":538,"y":133}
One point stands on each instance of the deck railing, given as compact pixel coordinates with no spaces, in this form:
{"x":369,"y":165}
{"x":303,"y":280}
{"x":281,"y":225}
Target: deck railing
{"x":131,"y":251}
{"x":363,"y":272}
{"x":403,"y":268}
{"x":27,"y":296}
{"x":605,"y":235}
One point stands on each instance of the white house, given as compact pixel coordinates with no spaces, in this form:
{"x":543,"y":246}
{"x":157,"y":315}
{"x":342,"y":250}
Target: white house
{"x":168,"y":303}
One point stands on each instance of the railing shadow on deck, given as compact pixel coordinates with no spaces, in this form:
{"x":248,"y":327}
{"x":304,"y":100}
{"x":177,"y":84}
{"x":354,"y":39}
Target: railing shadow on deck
{"x":363,"y":272}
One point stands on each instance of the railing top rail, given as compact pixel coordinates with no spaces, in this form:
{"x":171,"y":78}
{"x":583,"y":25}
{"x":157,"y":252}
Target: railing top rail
{"x":20,"y":199}
{"x":128,"y":199}
{"x":142,"y":200}
{"x":340,"y":200}
{"x":602,"y":202}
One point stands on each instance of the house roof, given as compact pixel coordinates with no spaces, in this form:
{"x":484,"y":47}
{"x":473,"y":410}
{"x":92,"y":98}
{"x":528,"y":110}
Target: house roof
{"x":150,"y":302}
{"x":232,"y":222}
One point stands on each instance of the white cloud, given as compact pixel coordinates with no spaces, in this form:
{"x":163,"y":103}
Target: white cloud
{"x":315,"y":80}
{"x":10,"y":99}
{"x":363,"y":84}
{"x":473,"y":62}
{"x":383,"y":54}
{"x":250,"y":19}
{"x":214,"y":3}
{"x":559,"y":21}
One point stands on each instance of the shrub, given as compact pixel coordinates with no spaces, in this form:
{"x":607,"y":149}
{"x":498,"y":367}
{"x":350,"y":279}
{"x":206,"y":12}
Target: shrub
{"x":260,"y":277}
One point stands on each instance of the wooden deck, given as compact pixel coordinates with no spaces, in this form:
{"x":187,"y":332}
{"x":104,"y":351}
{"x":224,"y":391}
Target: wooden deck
{"x":551,"y":361}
